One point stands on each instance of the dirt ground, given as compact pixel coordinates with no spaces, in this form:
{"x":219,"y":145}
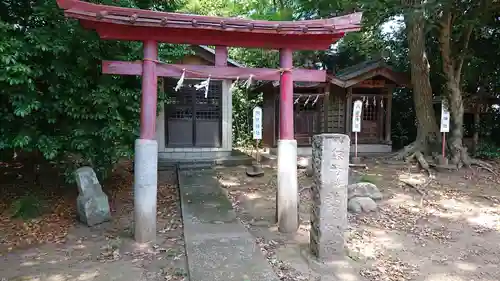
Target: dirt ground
{"x":453,"y":236}
{"x":55,"y":246}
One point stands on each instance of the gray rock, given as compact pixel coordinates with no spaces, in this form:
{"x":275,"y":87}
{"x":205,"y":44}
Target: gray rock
{"x":303,"y":162}
{"x":92,"y":202}
{"x":309,"y":169}
{"x":361,"y":204}
{"x":364,"y":189}
{"x":353,"y":177}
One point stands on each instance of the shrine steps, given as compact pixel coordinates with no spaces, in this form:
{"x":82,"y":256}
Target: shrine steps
{"x":236,"y":158}
{"x":218,"y":246}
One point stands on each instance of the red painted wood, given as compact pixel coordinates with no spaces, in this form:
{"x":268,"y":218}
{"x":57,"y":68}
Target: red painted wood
{"x":127,"y":16}
{"x":216,"y":72}
{"x":220,"y":55}
{"x":193,"y":24}
{"x":213,"y":37}
{"x":149,"y":91}
{"x":286,"y":96}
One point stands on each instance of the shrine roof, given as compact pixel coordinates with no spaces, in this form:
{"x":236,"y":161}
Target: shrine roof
{"x":112,"y":22}
{"x":352,"y":75}
{"x":202,"y":48}
{"x":366,"y":70}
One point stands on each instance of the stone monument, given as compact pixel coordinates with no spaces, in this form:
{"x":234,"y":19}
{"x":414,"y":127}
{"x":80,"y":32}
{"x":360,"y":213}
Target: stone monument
{"x":330,"y":161}
{"x":92,"y":202}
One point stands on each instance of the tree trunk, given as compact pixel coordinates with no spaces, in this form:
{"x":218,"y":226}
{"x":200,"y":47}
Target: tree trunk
{"x":428,"y":136}
{"x":452,"y":69}
{"x":457,"y":119}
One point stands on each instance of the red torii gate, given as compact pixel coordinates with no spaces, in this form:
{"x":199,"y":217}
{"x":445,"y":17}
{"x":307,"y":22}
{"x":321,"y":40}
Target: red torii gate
{"x":151,"y":27}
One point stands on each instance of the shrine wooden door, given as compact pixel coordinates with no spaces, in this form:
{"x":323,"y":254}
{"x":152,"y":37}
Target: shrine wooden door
{"x":370,"y":123}
{"x":191,"y":119}
{"x":307,"y":120}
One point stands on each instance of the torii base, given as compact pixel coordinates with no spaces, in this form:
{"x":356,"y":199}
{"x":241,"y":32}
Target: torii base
{"x":287,"y":193}
{"x":145,"y":190}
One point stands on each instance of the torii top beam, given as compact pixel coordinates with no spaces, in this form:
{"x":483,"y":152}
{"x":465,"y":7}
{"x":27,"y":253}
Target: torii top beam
{"x":119,"y":23}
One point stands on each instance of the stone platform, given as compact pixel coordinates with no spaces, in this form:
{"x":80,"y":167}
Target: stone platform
{"x":218,"y":246}
{"x":235,"y":158}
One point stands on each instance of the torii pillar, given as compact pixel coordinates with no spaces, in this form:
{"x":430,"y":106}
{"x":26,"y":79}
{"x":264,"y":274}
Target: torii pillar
{"x":150,"y":27}
{"x":146,"y":151}
{"x":287,"y":190}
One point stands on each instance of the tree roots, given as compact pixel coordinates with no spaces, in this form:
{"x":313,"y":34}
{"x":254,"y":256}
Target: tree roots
{"x":483,"y":165}
{"x":416,"y":151}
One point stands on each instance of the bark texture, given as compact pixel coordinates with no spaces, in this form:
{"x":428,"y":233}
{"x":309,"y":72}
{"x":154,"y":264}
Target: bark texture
{"x":428,"y":136}
{"x":452,"y":70}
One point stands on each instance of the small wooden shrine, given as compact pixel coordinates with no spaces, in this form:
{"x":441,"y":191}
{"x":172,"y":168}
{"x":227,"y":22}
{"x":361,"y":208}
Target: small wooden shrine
{"x":327,"y":107}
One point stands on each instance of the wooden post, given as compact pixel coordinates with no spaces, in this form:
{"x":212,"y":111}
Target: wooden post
{"x":443,"y":149}
{"x":348,"y":115}
{"x":146,"y":152}
{"x":380,"y":118}
{"x":388,"y":117}
{"x":287,"y":197}
{"x":220,"y":55}
{"x":286,"y":96}
{"x":326,"y":106}
{"x":149,"y":91}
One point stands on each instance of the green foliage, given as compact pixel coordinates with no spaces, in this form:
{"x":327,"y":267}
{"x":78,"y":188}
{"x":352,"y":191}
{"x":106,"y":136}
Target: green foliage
{"x":369,"y":178}
{"x":223,"y":8}
{"x":55,"y":99}
{"x":243,"y":105}
{"x":488,"y":150}
{"x":27,"y":207}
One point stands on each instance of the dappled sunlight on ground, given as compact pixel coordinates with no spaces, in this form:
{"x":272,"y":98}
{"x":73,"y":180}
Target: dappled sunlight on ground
{"x":448,"y":232}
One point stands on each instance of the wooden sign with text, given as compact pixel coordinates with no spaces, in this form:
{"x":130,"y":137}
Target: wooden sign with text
{"x":257,"y":123}
{"x":356,"y":116}
{"x":371,"y":84}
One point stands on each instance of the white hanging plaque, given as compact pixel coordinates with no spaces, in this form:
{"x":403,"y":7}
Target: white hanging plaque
{"x":356,"y":116}
{"x":445,"y":117}
{"x":257,"y":123}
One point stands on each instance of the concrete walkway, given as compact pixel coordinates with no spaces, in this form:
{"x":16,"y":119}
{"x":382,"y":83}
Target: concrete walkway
{"x":218,"y":246}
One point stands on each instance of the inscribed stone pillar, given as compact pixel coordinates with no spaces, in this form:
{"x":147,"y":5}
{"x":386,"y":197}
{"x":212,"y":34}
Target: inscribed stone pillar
{"x":330,"y":157}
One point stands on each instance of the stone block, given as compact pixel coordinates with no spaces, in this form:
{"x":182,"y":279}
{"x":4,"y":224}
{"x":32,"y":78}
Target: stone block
{"x":364,"y":189}
{"x":287,"y":192}
{"x":330,"y":163}
{"x":356,"y":160}
{"x":303,"y":162}
{"x":361,"y":204}
{"x":92,"y":202}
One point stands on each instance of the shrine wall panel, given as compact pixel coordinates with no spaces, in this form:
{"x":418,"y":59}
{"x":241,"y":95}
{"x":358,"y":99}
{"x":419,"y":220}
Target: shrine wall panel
{"x":336,"y":110}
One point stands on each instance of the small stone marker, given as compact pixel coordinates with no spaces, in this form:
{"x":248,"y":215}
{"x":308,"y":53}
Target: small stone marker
{"x":361,"y":204}
{"x":330,"y":160}
{"x":364,"y":189}
{"x":92,"y":202}
{"x":362,"y":197}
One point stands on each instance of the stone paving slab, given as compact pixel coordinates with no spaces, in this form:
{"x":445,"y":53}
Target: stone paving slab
{"x":208,"y":214}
